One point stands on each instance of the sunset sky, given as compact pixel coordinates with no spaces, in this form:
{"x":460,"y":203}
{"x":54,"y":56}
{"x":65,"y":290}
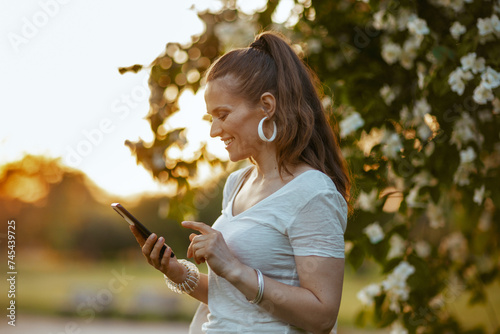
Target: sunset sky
{"x":62,"y":95}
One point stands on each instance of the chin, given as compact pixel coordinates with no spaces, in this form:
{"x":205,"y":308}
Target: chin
{"x":237,"y":157}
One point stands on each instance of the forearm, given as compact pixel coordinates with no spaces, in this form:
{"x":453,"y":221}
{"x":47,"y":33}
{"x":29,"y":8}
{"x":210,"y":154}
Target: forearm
{"x":294,"y":305}
{"x":201,"y":291}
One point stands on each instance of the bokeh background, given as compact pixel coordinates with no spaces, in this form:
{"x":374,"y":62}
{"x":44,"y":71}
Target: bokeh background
{"x":103,"y":102}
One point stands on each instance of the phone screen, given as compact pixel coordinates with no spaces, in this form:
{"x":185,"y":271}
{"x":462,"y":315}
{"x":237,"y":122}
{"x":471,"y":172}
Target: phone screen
{"x":134,"y":221}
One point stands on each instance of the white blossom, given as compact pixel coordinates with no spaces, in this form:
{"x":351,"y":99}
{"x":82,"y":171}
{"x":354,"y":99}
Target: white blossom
{"x":464,"y":130}
{"x":479,"y":195}
{"x":436,"y":215}
{"x":404,"y":114}
{"x":456,"y":246}
{"x":457,"y":30}
{"x":421,"y":108}
{"x":478,"y":66}
{"x":424,"y":132}
{"x":383,"y":21}
{"x":350,"y":124}
{"x":467,"y":156}
{"x":482,"y":94}
{"x":461,"y":176}
{"x":458,"y":87}
{"x":374,"y":232}
{"x":495,"y":22}
{"x":422,"y":248}
{"x":391,"y":52}
{"x":367,"y":294}
{"x":388,"y":94}
{"x":490,"y":78}
{"x":395,"y":284}
{"x":409,"y":51}
{"x":367,"y":201}
{"x":468,"y":60}
{"x":392,"y":145}
{"x":397,"y":247}
{"x":418,"y":26}
{"x":397,"y":328}
{"x":456,"y":80}
{"x":424,"y":179}
{"x":485,"y":26}
{"x":412,"y":199}
{"x":404,"y":16}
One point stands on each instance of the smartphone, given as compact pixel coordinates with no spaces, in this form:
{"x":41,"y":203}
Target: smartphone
{"x":133,"y":221}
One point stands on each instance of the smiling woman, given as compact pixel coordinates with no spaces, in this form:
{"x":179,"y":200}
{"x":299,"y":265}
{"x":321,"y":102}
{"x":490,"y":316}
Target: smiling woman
{"x":276,"y":253}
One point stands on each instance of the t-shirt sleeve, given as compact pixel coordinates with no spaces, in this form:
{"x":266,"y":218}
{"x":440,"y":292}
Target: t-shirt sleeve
{"x":319,"y":226}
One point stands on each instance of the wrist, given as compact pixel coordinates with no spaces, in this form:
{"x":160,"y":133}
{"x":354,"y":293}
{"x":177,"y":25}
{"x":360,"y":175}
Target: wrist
{"x":177,"y":276}
{"x":237,"y":273}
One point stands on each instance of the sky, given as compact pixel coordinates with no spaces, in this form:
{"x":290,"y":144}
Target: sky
{"x":62,"y":94}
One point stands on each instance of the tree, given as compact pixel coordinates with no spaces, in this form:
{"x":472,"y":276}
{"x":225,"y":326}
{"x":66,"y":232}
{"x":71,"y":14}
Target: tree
{"x":416,"y":90}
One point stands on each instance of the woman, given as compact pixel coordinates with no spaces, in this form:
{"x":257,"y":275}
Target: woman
{"x":276,"y":254}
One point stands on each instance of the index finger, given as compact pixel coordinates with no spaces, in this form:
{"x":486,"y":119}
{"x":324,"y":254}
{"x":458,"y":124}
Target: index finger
{"x":138,"y":236}
{"x":200,"y":227}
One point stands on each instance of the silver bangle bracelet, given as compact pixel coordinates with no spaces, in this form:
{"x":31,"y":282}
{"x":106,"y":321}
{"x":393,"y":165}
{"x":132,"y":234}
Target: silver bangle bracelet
{"x":191,"y":281}
{"x":260,"y":293}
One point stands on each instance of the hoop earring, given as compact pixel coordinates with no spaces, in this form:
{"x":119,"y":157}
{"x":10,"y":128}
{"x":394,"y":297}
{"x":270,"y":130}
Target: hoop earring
{"x":261,"y":132}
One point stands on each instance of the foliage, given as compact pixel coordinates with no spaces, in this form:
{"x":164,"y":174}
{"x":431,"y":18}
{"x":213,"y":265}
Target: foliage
{"x":416,"y":89}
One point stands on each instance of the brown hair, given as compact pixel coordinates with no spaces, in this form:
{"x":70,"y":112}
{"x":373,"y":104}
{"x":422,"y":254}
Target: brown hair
{"x":269,"y":64}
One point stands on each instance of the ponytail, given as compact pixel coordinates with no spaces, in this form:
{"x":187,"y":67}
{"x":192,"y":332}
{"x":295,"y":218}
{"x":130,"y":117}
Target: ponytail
{"x":269,"y":64}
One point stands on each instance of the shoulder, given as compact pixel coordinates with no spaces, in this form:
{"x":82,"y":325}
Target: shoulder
{"x":316,"y":190}
{"x":313,"y":182}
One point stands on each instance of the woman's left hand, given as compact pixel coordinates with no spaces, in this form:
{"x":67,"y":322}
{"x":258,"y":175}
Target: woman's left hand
{"x":211,"y":247}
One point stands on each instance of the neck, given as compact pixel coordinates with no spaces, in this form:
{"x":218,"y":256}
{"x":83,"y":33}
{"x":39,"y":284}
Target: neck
{"x":266,"y":165}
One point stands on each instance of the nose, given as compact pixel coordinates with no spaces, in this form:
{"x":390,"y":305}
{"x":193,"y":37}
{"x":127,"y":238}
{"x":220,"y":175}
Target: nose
{"x":215,"y":129}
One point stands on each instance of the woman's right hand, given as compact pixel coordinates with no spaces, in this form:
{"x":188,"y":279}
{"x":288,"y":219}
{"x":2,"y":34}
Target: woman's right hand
{"x":151,"y":249}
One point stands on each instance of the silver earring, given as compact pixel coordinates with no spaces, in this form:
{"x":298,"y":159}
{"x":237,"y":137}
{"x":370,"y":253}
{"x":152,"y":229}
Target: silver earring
{"x":261,"y":132}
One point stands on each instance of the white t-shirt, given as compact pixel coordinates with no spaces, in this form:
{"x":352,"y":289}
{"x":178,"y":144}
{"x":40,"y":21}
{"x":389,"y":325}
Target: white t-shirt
{"x":307,"y":216}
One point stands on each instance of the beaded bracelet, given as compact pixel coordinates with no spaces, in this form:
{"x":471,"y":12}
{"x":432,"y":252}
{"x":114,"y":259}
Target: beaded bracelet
{"x":260,"y":283}
{"x":191,"y":281}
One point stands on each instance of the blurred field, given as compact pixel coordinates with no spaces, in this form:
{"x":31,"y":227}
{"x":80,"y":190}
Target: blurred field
{"x":103,"y":292}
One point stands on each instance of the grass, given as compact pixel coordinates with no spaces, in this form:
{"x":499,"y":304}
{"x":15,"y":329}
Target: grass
{"x":92,"y":289}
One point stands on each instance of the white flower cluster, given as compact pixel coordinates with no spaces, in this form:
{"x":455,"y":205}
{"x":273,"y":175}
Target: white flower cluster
{"x":435,"y":214}
{"x":367,"y":294}
{"x":479,"y":195}
{"x":350,"y":124}
{"x":392,"y":145}
{"x":394,"y":285}
{"x":397,"y":328}
{"x":470,"y":65}
{"x":367,"y":201}
{"x":456,"y":245}
{"x":488,"y":26}
{"x":456,"y":30}
{"x":388,"y":94}
{"x":417,"y":26}
{"x":374,"y":233}
{"x":464,"y":131}
{"x":397,"y":247}
{"x":392,"y":52}
{"x":466,"y":167}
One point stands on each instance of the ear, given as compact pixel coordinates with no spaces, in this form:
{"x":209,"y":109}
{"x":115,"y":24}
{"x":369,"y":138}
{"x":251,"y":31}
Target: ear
{"x":268,"y":104}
